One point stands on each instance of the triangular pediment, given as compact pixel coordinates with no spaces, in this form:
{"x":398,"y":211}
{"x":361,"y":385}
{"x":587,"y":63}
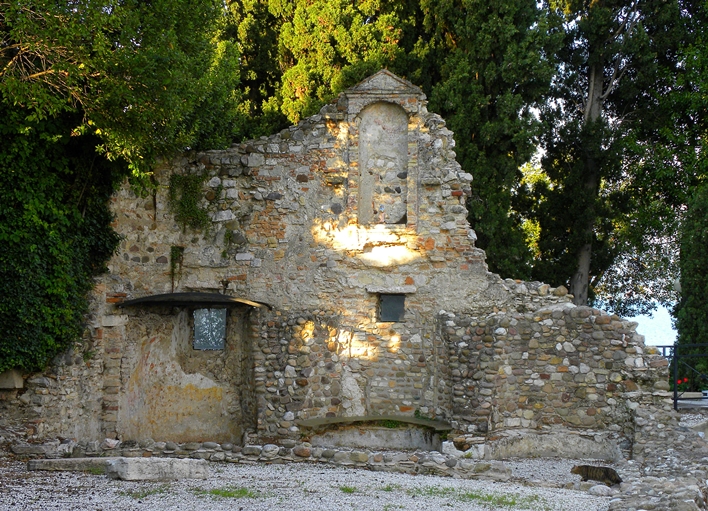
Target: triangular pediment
{"x":385,"y":82}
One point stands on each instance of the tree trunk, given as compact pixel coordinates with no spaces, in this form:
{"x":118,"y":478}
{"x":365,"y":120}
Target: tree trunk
{"x":592,"y":146}
{"x":579,"y":282}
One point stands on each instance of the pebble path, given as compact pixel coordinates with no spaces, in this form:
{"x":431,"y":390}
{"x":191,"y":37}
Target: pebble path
{"x":296,"y":487}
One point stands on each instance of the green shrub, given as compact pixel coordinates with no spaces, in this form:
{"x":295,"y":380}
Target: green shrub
{"x":185,"y":197}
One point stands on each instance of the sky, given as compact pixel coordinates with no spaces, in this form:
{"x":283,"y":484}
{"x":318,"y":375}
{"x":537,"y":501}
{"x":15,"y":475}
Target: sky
{"x":657,"y":330}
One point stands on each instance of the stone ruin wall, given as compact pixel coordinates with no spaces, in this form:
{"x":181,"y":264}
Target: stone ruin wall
{"x":558,"y":367}
{"x":296,"y":240}
{"x":472,"y":349}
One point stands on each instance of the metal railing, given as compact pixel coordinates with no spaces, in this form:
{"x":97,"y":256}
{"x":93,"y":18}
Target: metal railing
{"x":679,"y":360}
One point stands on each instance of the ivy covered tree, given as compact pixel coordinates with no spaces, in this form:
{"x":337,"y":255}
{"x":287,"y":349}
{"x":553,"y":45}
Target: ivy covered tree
{"x":55,"y":232}
{"x":89,"y":92}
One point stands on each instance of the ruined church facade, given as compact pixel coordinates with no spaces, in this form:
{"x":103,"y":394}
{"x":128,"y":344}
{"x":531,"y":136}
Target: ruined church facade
{"x":337,"y":278}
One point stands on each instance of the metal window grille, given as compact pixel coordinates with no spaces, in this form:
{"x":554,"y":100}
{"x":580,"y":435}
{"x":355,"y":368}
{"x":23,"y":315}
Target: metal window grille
{"x":392,"y":307}
{"x":209,"y":329}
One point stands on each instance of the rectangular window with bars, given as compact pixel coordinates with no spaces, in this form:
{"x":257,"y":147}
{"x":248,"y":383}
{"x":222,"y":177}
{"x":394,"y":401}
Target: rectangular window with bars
{"x":209,"y":329}
{"x":392,"y":307}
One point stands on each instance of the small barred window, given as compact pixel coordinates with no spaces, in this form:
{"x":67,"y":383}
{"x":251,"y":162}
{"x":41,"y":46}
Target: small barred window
{"x":392,"y":307}
{"x":209,"y":329}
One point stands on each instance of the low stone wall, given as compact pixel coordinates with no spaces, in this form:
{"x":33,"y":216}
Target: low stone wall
{"x":418,"y":462}
{"x":560,"y":365}
{"x":66,"y":400}
{"x":309,"y":364}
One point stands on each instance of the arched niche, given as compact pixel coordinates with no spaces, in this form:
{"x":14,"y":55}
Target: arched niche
{"x":383,"y":165}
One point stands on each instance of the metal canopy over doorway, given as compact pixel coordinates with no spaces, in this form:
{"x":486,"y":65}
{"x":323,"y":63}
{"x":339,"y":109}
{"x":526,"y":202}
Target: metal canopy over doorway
{"x":192,"y":299}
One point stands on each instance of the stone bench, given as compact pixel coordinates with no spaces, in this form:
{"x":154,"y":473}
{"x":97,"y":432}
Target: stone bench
{"x":318,"y":422}
{"x":375,"y":432}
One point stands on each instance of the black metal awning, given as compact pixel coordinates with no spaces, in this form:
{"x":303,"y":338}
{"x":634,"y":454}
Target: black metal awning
{"x":191,"y":299}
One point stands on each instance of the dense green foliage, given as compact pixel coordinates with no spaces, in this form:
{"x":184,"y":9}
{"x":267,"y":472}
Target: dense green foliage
{"x":148,"y":78}
{"x":692,"y":309}
{"x":493,"y":74}
{"x":334,"y":44}
{"x":88,"y":91}
{"x":55,"y":233}
{"x":298,"y":55}
{"x":255,"y":30}
{"x":610,"y":126}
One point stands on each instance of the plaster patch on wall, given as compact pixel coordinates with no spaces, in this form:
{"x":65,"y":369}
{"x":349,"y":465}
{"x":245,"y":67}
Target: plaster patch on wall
{"x":163,"y":401}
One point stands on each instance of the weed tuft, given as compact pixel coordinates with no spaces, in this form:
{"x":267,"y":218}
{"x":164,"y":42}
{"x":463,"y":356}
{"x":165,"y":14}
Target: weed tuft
{"x":508,"y":500}
{"x":227,"y":493}
{"x":391,"y":487}
{"x":390,"y":424}
{"x":145,"y":492}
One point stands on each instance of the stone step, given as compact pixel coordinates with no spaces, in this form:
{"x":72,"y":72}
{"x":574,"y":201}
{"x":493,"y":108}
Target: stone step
{"x":92,"y":465}
{"x":128,"y":469}
{"x":157,"y":469}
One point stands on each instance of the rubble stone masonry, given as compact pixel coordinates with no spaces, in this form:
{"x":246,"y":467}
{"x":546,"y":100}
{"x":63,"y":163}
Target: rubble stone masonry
{"x":315,"y":224}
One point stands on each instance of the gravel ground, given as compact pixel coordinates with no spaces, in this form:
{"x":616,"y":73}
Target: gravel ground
{"x":298,"y":487}
{"x":691,"y":419}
